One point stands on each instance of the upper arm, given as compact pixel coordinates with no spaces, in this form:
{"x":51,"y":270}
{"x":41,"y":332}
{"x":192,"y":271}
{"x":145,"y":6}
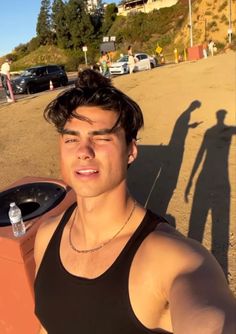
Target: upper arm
{"x":200,"y":300}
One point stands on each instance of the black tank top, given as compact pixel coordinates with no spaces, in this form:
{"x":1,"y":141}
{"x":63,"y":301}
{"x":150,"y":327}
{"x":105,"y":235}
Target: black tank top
{"x":68,"y":304}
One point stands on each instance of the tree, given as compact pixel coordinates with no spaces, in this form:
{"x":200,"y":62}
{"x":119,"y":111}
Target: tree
{"x":109,"y":17}
{"x":33,"y":44}
{"x":59,"y":24}
{"x":96,"y":19}
{"x":21,"y":50}
{"x":79,"y":23}
{"x":43,"y":27}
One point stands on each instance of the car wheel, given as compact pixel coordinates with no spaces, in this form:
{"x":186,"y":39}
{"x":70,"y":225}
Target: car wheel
{"x":63,"y":82}
{"x":30,"y":89}
{"x":152,"y":65}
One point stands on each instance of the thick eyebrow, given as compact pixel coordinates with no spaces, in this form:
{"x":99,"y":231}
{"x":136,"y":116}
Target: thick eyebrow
{"x":91,"y":133}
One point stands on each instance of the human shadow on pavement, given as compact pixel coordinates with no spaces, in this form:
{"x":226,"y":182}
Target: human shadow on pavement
{"x":152,"y":178}
{"x":212,"y":189}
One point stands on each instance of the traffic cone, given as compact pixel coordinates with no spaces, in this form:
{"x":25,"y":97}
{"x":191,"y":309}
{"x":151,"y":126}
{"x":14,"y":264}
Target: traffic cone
{"x":51,"y":85}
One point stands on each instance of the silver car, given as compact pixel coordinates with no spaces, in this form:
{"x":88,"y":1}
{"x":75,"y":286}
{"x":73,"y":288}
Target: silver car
{"x":143,"y":62}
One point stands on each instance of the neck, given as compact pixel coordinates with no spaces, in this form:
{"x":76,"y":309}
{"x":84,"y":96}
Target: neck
{"x":96,"y":219}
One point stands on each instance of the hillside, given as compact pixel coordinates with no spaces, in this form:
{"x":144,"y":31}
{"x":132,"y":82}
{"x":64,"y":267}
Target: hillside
{"x":49,"y":54}
{"x":169,"y":27}
{"x":209,"y":21}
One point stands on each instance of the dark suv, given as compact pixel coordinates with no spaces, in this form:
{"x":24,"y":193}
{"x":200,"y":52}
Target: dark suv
{"x":38,"y":78}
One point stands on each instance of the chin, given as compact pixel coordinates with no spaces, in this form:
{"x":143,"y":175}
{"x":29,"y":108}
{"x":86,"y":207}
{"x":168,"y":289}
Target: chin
{"x":84,"y":191}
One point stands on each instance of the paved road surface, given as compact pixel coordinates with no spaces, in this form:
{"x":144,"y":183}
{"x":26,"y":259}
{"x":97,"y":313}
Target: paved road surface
{"x":72,"y":78}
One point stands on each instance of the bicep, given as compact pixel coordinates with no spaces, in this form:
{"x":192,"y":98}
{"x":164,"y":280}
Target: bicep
{"x":201,"y":302}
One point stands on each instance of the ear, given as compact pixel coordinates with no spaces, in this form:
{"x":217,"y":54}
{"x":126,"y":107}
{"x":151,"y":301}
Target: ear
{"x":132,"y":151}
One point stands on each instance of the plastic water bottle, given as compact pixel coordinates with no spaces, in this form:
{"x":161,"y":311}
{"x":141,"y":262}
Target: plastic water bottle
{"x":16,"y":220}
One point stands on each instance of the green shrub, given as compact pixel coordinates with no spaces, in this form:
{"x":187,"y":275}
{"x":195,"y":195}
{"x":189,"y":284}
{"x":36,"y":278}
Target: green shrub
{"x":220,"y":46}
{"x":223,"y":18}
{"x":75,"y":58}
{"x":211,"y":25}
{"x":222,"y":6}
{"x":164,"y":40}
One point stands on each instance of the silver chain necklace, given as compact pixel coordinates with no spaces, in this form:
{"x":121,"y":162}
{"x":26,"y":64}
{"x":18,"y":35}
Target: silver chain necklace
{"x":91,"y":250}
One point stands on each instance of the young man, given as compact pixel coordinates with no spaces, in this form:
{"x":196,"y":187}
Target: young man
{"x":5,"y":78}
{"x":107,"y":265}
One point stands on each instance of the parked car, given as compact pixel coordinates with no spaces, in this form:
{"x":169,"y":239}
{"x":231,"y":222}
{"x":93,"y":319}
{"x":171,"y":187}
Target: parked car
{"x":143,"y":62}
{"x":120,"y":66}
{"x":38,"y":78}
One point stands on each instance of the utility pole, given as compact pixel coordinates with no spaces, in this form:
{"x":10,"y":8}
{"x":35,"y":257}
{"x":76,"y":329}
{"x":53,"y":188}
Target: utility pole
{"x":190,"y":23}
{"x":230,"y":22}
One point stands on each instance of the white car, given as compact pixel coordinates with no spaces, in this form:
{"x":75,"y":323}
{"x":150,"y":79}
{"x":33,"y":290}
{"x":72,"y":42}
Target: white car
{"x":120,"y":67}
{"x":143,"y":62}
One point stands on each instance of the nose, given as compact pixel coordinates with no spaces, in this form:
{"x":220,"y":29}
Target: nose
{"x":85,"y":151}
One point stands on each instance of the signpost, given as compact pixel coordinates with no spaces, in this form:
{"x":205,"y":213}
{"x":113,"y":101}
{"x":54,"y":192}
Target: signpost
{"x":108,"y":44}
{"x":85,"y":49}
{"x":230,"y":23}
{"x":190,"y":23}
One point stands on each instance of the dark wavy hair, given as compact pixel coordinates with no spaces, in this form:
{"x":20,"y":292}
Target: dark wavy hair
{"x":93,"y":89}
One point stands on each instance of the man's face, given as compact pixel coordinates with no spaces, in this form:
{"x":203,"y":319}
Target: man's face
{"x":94,"y":159}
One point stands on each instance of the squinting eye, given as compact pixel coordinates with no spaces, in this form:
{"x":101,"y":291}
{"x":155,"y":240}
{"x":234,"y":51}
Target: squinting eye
{"x":71,"y":140}
{"x":101,"y":139}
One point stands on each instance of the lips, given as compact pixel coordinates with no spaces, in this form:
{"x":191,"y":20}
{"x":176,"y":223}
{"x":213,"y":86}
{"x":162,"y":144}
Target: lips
{"x":86,"y":171}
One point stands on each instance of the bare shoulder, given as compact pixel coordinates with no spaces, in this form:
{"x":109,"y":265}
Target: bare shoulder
{"x":192,"y":282}
{"x":43,"y":237}
{"x":172,"y":255}
{"x":178,"y":255}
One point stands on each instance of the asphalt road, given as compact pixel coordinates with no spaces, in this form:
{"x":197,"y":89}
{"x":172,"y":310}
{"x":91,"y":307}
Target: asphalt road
{"x":72,"y":78}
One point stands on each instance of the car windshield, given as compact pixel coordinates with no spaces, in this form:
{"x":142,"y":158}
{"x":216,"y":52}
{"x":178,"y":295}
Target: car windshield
{"x":122,"y":59}
{"x":28,"y":72}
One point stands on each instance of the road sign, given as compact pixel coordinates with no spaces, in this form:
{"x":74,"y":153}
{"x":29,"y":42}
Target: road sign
{"x":85,"y":49}
{"x":158,"y":49}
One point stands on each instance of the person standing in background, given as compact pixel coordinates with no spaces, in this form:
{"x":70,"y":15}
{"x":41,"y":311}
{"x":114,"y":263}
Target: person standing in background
{"x":211,"y":47}
{"x":131,"y":60}
{"x":204,"y":49}
{"x":5,"y":77}
{"x":104,"y":62}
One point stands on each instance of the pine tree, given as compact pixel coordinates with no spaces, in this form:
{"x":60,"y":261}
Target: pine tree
{"x":43,"y":28}
{"x":109,"y":17}
{"x":59,"y":24}
{"x":79,"y":23}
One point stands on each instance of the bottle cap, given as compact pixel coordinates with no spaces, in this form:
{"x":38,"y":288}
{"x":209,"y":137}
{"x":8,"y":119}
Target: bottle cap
{"x":12,"y":204}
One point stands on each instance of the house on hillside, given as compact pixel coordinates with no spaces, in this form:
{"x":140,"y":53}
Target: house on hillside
{"x":146,"y":6}
{"x":92,"y":5}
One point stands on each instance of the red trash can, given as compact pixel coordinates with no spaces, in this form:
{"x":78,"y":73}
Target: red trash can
{"x":195,"y":52}
{"x":17,"y":267}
